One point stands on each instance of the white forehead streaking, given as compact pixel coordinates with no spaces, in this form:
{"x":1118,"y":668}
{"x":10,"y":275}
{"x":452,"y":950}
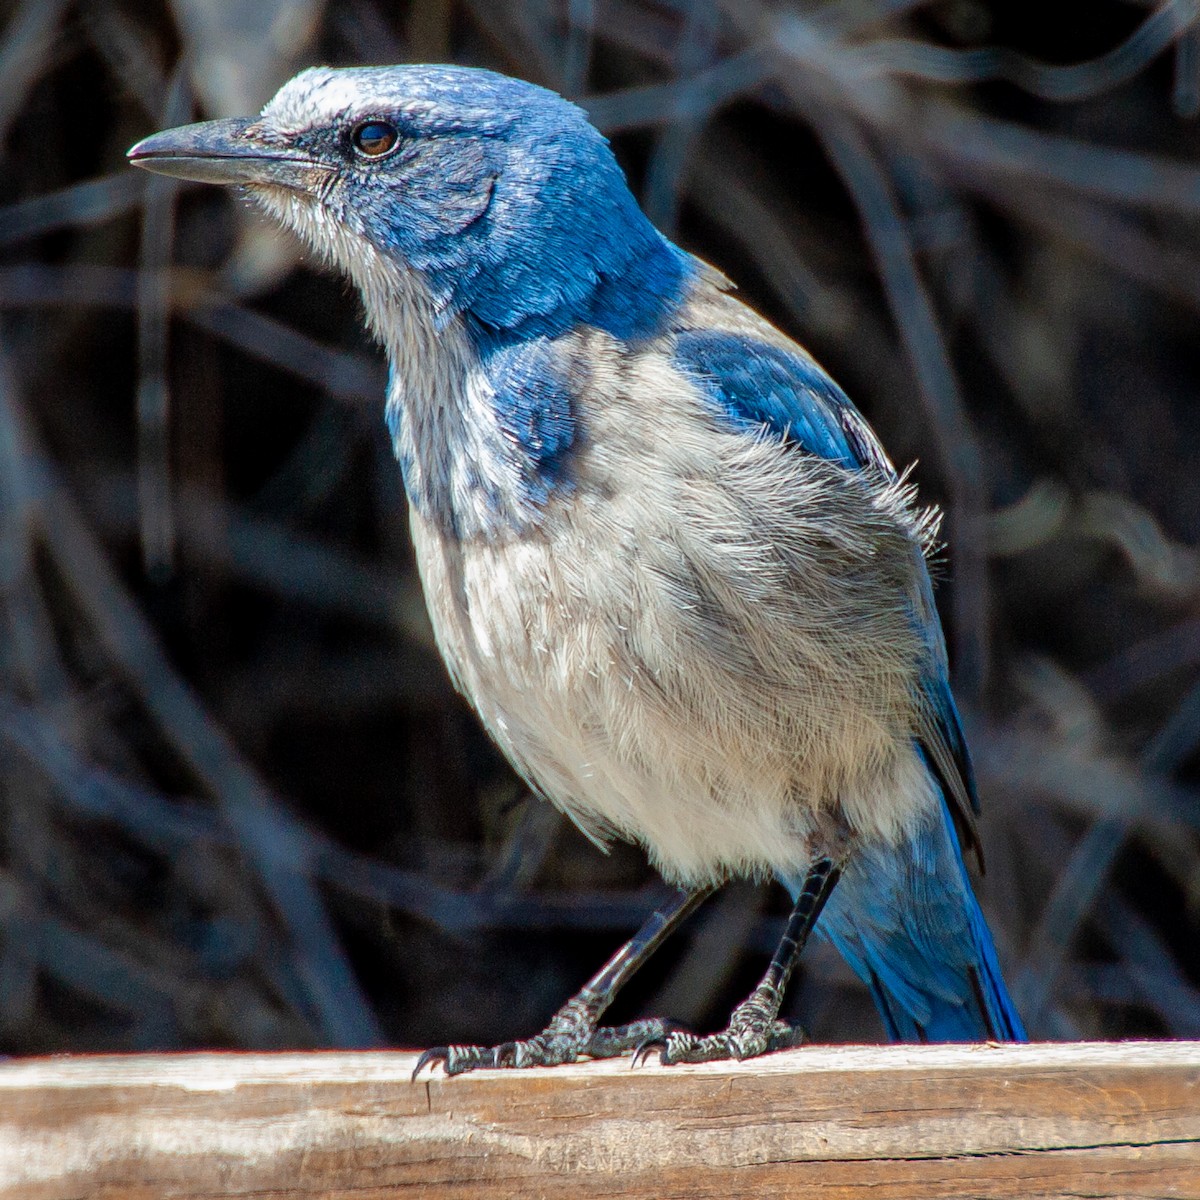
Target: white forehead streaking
{"x":314,"y":97}
{"x":321,"y":96}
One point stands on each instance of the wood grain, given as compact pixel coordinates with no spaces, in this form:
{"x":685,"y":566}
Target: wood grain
{"x":1095,"y":1120}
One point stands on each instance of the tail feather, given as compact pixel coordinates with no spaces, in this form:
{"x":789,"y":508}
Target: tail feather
{"x":906,"y":920}
{"x":978,"y":1008}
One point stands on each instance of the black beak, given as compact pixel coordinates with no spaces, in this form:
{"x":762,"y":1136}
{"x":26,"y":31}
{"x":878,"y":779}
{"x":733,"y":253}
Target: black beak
{"x":230,"y":151}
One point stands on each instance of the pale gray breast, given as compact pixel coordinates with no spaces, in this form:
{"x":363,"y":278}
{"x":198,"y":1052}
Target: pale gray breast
{"x":705,"y":645}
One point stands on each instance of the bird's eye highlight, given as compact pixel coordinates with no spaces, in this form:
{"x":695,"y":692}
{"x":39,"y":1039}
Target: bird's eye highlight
{"x":374,"y":139}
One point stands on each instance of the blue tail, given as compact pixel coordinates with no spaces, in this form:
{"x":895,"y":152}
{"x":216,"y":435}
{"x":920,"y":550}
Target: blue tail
{"x":905,"y":918}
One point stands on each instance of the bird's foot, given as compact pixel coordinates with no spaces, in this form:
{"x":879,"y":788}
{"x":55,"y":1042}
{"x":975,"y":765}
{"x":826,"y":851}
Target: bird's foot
{"x":562,"y":1041}
{"x":572,"y":1034}
{"x":611,"y":1041}
{"x":753,"y":1029}
{"x":527,"y":1052}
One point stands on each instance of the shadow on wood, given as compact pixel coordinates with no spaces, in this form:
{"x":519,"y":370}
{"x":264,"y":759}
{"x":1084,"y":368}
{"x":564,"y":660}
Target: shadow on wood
{"x":1102,"y":1120}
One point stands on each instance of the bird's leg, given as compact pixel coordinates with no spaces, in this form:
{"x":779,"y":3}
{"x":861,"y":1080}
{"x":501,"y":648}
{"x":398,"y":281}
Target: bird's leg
{"x":754,"y":1027}
{"x":573,"y":1031}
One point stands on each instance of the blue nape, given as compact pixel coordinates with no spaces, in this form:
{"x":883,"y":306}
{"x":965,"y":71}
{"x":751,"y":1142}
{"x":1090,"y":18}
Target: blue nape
{"x":571,"y":261}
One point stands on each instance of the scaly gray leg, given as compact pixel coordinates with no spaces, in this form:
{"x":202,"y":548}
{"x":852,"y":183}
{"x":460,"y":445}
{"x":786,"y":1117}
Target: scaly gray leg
{"x":754,"y":1027}
{"x":573,"y":1031}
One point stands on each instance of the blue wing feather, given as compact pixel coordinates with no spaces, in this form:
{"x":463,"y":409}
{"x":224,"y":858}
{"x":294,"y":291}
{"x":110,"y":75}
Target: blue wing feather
{"x":753,"y":383}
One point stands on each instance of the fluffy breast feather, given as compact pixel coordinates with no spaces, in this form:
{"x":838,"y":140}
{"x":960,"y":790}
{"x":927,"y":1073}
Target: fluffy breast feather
{"x":705,"y":646}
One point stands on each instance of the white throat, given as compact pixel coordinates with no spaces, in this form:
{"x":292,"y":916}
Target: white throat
{"x":460,"y":470}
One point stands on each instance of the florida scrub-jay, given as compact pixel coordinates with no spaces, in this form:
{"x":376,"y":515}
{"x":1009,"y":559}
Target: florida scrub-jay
{"x":665,"y":558}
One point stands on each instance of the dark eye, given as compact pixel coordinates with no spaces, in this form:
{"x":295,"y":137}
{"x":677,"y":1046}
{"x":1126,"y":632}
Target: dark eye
{"x":374,"y":139}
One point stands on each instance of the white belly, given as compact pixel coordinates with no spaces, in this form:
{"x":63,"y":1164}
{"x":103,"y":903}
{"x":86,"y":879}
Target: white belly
{"x":684,"y":656}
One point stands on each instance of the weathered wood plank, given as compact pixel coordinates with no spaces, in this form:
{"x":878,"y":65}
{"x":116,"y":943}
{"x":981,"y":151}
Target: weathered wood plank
{"x":1101,"y":1120}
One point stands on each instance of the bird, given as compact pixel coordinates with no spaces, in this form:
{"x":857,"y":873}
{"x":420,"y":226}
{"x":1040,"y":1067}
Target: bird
{"x":666,"y":560}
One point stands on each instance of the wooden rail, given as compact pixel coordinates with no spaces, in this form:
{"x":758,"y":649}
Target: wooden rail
{"x":890,"y":1123}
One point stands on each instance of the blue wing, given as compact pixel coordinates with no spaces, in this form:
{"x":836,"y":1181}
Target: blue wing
{"x":756,"y":384}
{"x":904,"y":916}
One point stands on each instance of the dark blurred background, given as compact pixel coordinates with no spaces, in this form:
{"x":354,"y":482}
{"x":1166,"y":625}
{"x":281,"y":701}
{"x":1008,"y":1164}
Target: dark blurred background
{"x":240,"y":804}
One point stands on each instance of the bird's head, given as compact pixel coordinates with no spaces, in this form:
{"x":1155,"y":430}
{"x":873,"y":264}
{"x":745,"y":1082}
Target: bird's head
{"x":496,"y":196}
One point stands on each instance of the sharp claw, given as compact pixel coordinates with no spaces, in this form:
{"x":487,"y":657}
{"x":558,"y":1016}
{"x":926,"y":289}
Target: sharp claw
{"x":645,"y":1049}
{"x":430,"y":1058}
